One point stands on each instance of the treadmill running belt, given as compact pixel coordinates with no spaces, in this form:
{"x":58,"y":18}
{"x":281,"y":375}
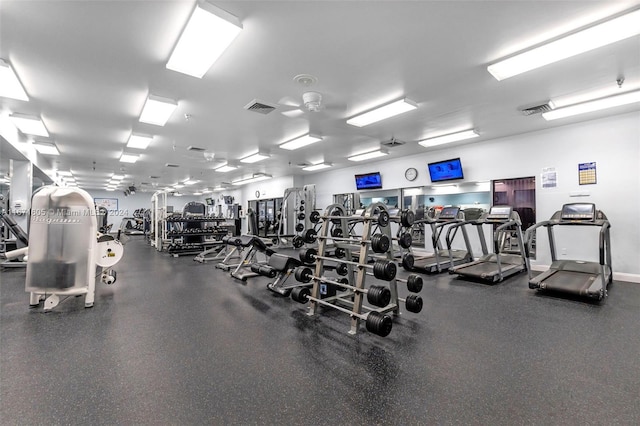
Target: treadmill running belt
{"x":570,"y":282}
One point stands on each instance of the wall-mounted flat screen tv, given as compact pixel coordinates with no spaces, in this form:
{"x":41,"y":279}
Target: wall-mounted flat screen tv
{"x":446,"y":170}
{"x":209,"y":201}
{"x":369,"y":181}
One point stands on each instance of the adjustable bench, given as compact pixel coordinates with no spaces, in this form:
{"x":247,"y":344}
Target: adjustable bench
{"x":255,"y":246}
{"x":280,"y":267}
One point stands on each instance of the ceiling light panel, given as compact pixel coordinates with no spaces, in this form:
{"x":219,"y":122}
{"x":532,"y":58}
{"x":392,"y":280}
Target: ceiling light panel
{"x":225,"y":168}
{"x":315,"y":167}
{"x":138,"y":141}
{"x":157,"y":110}
{"x":46,"y":148}
{"x":449,"y":138}
{"x":10,"y":86}
{"x":368,"y":155}
{"x":207,"y":35}
{"x":129,"y":158}
{"x":594,"y":105}
{"x":255,"y":158}
{"x":29,"y":125}
{"x":255,"y":178}
{"x":383,"y":112}
{"x":614,"y":30}
{"x":300,"y":142}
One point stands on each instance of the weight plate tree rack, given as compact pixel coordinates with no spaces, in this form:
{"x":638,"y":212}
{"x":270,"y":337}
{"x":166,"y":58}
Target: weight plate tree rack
{"x":375,"y":218}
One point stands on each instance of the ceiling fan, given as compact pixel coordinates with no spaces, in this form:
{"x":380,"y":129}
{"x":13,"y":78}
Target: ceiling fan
{"x":311,"y":102}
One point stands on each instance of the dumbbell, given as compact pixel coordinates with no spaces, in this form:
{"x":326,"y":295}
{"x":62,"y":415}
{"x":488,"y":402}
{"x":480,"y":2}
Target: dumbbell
{"x":377,"y":295}
{"x":382,"y":217}
{"x":376,"y":322}
{"x":382,"y":269}
{"x":300,"y":227}
{"x":301,"y":216}
{"x":297,"y":241}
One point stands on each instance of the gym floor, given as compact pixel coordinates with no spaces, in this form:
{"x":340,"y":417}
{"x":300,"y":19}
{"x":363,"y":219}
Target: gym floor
{"x":178,"y":342}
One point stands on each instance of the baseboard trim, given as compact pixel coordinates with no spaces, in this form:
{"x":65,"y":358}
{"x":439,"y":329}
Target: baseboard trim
{"x":617,"y":276}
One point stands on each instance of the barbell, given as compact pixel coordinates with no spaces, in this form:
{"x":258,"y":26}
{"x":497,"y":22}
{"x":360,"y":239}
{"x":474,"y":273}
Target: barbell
{"x":382,"y":217}
{"x":404,"y":240}
{"x":377,"y":295}
{"x":382,"y":269}
{"x":376,"y":322}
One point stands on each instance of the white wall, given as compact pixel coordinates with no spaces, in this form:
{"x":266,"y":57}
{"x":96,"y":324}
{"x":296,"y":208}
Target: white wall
{"x":612,"y":142}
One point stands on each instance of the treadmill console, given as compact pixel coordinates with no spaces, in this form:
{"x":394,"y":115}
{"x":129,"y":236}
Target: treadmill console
{"x":578,"y":212}
{"x":498,"y":213}
{"x":449,"y":213}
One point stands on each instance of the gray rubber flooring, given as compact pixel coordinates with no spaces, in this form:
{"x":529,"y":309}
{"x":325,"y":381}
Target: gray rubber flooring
{"x":178,"y":342}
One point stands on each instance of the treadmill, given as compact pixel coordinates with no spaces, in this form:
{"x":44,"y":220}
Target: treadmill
{"x":575,"y":277}
{"x":494,"y":267}
{"x":443,"y":258}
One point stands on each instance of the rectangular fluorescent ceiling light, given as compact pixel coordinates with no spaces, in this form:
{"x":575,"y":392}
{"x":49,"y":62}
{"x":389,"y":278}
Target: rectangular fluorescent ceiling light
{"x":191,"y":182}
{"x":594,"y":105}
{"x":117,"y":177}
{"x":255,"y":158}
{"x":110,"y":189}
{"x":315,"y":167}
{"x":157,"y":110}
{"x":452,"y":137}
{"x":208,"y":33}
{"x":10,"y":86}
{"x":178,"y":186}
{"x":383,"y":112}
{"x":64,"y":173}
{"x":46,"y":148}
{"x":588,"y":39}
{"x":300,"y":141}
{"x":368,"y":155}
{"x":29,"y":125}
{"x":255,"y":178}
{"x":138,"y":141}
{"x":225,"y":168}
{"x":129,"y":158}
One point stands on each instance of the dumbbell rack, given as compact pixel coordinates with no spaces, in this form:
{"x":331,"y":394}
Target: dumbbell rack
{"x":370,"y":222}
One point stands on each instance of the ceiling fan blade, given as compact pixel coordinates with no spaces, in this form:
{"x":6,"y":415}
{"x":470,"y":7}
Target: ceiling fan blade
{"x":289,"y":101}
{"x":293,"y":113}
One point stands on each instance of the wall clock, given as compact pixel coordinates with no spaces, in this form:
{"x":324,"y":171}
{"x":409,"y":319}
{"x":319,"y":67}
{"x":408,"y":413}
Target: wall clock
{"x":257,"y":194}
{"x":411,"y":173}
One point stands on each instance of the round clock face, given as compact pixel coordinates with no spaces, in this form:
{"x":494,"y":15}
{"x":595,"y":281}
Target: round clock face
{"x":411,"y":173}
{"x":257,"y":194}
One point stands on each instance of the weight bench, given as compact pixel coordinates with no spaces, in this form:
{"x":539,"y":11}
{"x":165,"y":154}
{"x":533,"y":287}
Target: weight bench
{"x":22,"y":240}
{"x":219,"y":251}
{"x":280,"y":267}
{"x":227,"y":254}
{"x":255,"y":245}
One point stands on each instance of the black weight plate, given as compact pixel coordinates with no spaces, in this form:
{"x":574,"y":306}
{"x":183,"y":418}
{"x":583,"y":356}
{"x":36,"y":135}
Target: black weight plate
{"x":308,"y":255}
{"x":299,"y":227}
{"x":314,"y":216}
{"x":408,"y":261}
{"x":383,"y":218}
{"x":300,"y":294}
{"x":310,"y":236}
{"x":380,"y":243}
{"x":337,"y":233}
{"x":298,"y":241}
{"x":379,"y":324}
{"x":340,"y":253}
{"x":405,"y":240}
{"x":414,"y":303}
{"x":301,"y":208}
{"x":407,"y":217}
{"x":342,"y":269}
{"x":301,"y":216}
{"x":414,"y":283}
{"x":303,"y":275}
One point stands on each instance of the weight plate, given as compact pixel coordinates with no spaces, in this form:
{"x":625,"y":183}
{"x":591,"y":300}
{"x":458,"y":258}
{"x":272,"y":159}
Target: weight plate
{"x":407,"y":217}
{"x":383,"y":218}
{"x":408,"y":261}
{"x":314,"y":216}
{"x":310,"y":236}
{"x":300,"y":294}
{"x":414,"y":283}
{"x":379,"y":324}
{"x":337,"y":233}
{"x":299,"y":227}
{"x":414,"y":303}
{"x":405,"y":240}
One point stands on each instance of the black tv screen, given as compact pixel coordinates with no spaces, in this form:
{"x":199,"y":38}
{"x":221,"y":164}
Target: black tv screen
{"x":369,"y":181}
{"x":446,"y":170}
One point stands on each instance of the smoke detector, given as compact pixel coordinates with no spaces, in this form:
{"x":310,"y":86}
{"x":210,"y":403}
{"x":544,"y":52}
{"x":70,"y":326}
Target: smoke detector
{"x":305,"y":80}
{"x":209,"y":156}
{"x":312,"y":101}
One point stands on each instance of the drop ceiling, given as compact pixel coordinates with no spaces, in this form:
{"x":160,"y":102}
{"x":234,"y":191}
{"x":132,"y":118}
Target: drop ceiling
{"x":89,"y":66}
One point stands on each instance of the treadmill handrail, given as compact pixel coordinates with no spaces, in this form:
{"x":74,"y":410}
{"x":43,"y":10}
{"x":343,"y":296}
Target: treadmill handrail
{"x":528,"y":241}
{"x":496,"y":232}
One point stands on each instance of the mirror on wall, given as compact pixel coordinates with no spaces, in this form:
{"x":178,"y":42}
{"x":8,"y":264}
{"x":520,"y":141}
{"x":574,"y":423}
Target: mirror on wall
{"x":388,"y":197}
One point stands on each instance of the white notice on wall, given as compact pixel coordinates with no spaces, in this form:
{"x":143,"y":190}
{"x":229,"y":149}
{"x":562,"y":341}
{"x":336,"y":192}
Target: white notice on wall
{"x":549,"y":177}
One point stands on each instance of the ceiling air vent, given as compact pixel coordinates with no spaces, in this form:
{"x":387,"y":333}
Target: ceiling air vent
{"x":171,"y":165}
{"x":195,"y":148}
{"x":392,"y":142}
{"x":154,"y":177}
{"x":259,"y":107}
{"x":537,"y":109}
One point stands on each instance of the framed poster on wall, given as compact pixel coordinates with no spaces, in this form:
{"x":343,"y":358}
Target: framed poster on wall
{"x":108,"y":203}
{"x":587,"y":173}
